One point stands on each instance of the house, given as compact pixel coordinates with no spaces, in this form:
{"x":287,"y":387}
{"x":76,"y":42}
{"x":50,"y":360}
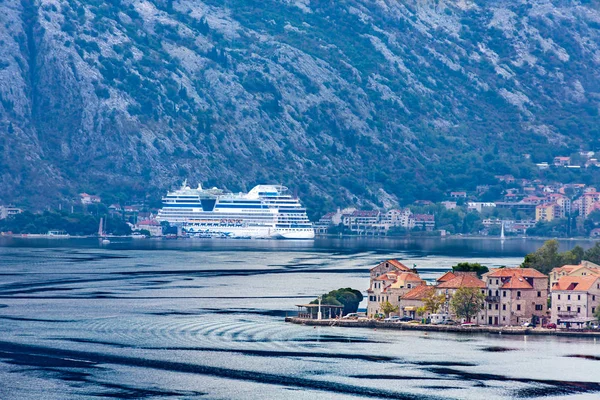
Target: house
{"x":515,"y":296}
{"x":585,"y":268}
{"x":449,"y":205}
{"x":451,"y":282}
{"x":8,"y":211}
{"x":425,"y":222}
{"x":587,"y":203}
{"x":364,"y":222}
{"x":458,"y":195}
{"x":89,"y":198}
{"x":544,"y":212}
{"x":562,"y":161}
{"x":505,"y":178}
{"x":575,"y":299}
{"x":479,"y":206}
{"x":414,"y":299}
{"x":390,"y":280}
{"x":151,"y":225}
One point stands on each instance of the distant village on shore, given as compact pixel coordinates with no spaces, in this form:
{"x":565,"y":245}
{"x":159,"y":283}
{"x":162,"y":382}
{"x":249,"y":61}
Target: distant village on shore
{"x":517,"y":206}
{"x":510,"y":207}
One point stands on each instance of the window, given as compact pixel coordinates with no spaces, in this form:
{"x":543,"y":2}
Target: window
{"x":489,"y":306}
{"x":504,"y":307}
{"x":578,"y":310}
{"x":539,"y":307}
{"x":496,"y":281}
{"x":398,"y":298}
{"x":504,"y":293}
{"x":518,"y":307}
{"x":496,"y":306}
{"x":568,"y":308}
{"x":558,"y":308}
{"x":568,"y":297}
{"x":594,"y":298}
{"x":559,"y":296}
{"x":490,"y":293}
{"x":497,"y":293}
{"x":490,"y":281}
{"x":539,"y":294}
{"x":503,"y":318}
{"x":518,"y":293}
{"x":578,"y":297}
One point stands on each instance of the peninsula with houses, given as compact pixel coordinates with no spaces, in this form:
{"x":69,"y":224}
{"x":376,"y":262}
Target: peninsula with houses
{"x":504,"y":300}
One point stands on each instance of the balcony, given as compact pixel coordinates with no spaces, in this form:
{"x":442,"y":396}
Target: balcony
{"x":565,"y":313}
{"x":492,"y":299}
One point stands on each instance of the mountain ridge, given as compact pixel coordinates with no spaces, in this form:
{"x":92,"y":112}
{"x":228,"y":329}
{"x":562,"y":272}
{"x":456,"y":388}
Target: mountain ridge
{"x":347,"y":102}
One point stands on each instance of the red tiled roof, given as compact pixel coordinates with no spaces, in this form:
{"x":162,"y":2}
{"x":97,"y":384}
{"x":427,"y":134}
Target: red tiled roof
{"x":516,"y":272}
{"x":446,"y":277}
{"x":575,"y":283}
{"x":517,"y":283}
{"x":418,"y":293}
{"x":398,"y":265}
{"x":462,"y":281}
{"x":394,"y":263}
{"x":388,"y":276}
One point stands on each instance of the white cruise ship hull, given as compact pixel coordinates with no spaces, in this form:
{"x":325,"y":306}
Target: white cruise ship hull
{"x":267,"y":211}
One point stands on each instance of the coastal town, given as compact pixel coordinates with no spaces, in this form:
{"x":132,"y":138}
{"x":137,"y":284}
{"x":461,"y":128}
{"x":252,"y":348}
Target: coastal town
{"x":509,"y":206}
{"x":568,"y":298}
{"x":517,"y":207}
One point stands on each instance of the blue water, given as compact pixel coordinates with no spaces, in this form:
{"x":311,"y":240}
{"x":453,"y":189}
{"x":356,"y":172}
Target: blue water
{"x":204,"y":319}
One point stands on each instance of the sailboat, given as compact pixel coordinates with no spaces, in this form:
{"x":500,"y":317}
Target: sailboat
{"x":101,"y":233}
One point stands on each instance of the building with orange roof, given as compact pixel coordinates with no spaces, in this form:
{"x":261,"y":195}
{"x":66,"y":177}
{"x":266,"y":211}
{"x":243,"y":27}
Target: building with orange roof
{"x":451,"y":284}
{"x":585,"y":268}
{"x":386,"y":266}
{"x":515,"y":296}
{"x":414,"y":299}
{"x":575,"y":299}
{"x":390,"y":280}
{"x":446,"y":277}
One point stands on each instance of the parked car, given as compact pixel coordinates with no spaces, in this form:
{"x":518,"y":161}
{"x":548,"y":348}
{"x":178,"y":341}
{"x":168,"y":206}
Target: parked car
{"x":551,"y":325}
{"x":350,"y":316}
{"x":394,"y":318}
{"x":406,"y":318}
{"x":469,"y":324}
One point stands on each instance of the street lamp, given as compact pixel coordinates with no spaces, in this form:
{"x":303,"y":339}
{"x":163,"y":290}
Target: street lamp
{"x":319,"y":316}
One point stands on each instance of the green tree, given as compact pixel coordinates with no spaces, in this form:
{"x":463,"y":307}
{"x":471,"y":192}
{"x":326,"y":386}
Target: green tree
{"x":545,"y":258}
{"x":467,"y":302}
{"x":347,"y":297}
{"x":593,"y":254}
{"x":387,"y":308}
{"x":433,"y":302}
{"x":470,"y":267}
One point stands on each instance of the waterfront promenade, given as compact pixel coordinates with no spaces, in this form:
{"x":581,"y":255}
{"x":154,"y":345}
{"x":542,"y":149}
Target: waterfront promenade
{"x":501,"y":330}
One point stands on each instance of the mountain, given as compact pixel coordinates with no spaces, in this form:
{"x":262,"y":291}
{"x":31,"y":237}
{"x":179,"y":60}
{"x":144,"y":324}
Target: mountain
{"x":366,"y":101}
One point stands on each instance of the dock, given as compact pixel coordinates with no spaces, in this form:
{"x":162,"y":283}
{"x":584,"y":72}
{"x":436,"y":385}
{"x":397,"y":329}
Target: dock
{"x":498,"y":330}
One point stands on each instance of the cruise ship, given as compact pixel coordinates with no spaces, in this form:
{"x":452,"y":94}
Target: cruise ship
{"x":267,"y":211}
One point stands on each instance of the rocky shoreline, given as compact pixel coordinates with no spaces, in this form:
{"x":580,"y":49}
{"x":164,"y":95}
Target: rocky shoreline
{"x":504,"y":330}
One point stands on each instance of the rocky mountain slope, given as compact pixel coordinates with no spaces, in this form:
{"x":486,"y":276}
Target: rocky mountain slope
{"x":368,"y":100}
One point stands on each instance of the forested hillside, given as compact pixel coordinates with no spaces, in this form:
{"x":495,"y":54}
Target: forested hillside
{"x":344,"y":101}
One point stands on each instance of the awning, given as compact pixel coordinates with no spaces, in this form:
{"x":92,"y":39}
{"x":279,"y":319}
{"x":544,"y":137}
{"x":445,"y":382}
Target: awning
{"x":410,"y":308}
{"x":581,"y":320}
